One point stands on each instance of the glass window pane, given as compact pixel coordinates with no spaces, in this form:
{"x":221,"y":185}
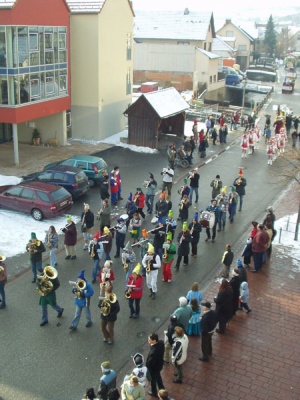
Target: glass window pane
{"x":2,"y":47}
{"x":50,"y":84}
{"x":49,"y":57}
{"x":34,"y":86}
{"x":33,"y":41}
{"x":34,"y":58}
{"x":23,"y":46}
{"x":63,"y":87}
{"x":3,"y":90}
{"x":11,"y":47}
{"x":48,"y":40}
{"x":62,"y":41}
{"x":24,"y":88}
{"x":63,"y":56}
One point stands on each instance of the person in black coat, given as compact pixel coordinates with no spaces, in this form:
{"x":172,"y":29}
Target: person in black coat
{"x":104,"y":185}
{"x":235,"y":285}
{"x":108,"y":321}
{"x":184,"y":239}
{"x":155,"y":362}
{"x":195,"y":229}
{"x":209,"y":322}
{"x":171,"y":336}
{"x":159,"y":238}
{"x":202,"y":147}
{"x":240,"y":183}
{"x":224,"y":301}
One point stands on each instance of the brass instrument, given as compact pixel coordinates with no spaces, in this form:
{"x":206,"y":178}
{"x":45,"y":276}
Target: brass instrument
{"x":48,"y":241}
{"x":148,"y":268}
{"x":146,"y":184}
{"x":106,"y":304}
{"x":165,"y":255}
{"x":125,"y":264}
{"x":1,"y":271}
{"x":238,"y":181}
{"x":45,"y":286}
{"x":181,"y":204}
{"x":92,"y":251}
{"x":180,"y":190}
{"x":80,"y":285}
{"x":64,"y":228}
{"x":33,"y":246}
{"x":216,"y":183}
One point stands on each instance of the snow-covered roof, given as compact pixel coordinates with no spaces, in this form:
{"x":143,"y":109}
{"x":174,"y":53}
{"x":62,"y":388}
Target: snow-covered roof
{"x":7,"y":3}
{"x":166,"y":102}
{"x":219,"y":44}
{"x":208,"y":53}
{"x":85,"y":6}
{"x":182,"y":25}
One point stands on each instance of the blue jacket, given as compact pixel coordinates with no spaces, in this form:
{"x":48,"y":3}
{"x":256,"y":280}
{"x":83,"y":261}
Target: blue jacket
{"x":88,"y":292}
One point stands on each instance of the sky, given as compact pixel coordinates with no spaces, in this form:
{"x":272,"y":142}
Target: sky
{"x":24,"y":224}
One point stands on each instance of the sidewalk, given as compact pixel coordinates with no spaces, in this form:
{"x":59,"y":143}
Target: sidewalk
{"x":258,"y":357}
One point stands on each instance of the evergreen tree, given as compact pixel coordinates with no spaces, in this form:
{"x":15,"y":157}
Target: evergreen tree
{"x":270,"y":37}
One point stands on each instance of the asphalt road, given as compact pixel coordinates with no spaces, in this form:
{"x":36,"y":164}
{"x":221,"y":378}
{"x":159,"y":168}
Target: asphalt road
{"x":50,"y":362}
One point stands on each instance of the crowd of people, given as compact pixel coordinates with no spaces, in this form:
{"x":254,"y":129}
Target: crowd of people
{"x":148,"y":252}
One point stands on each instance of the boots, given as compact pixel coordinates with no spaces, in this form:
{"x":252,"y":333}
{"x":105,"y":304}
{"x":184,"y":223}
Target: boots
{"x":151,"y":293}
{"x":153,"y":296}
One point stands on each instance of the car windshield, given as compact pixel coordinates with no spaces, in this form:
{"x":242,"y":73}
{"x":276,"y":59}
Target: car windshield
{"x":80,"y":177}
{"x":59,"y":194}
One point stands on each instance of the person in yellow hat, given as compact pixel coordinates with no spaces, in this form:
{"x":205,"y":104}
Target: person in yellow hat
{"x":183,"y":239}
{"x":169,"y":250}
{"x":222,"y":201}
{"x":135,"y":286}
{"x":151,"y":262}
{"x":107,"y":242}
{"x":143,"y":245}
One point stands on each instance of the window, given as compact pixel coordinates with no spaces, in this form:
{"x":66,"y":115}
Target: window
{"x":28,"y":194}
{"x":229,"y":33}
{"x":128,"y":81}
{"x":242,"y":47}
{"x":49,"y":85}
{"x":129,"y":45}
{"x":215,"y":78}
{"x":23,"y":46}
{"x":48,"y":41}
{"x":33,"y":39}
{"x":3,"y":90}
{"x":14,"y":192}
{"x":35,"y":87}
{"x":210,"y":79}
{"x":46,"y":176}
{"x":2,"y":47}
{"x":43,"y":196}
{"x":82,"y":165}
{"x":62,"y":82}
{"x":60,"y":176}
{"x":204,"y":46}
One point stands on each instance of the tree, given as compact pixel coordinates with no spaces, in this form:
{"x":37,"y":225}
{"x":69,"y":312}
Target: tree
{"x":270,"y":37}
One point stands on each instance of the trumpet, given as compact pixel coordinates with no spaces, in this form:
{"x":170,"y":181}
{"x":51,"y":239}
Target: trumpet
{"x":238,"y":181}
{"x":64,"y":229}
{"x":216,"y":183}
{"x":146,"y":184}
{"x":165,"y":256}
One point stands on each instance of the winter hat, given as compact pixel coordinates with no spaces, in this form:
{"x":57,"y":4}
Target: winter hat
{"x":232,"y":188}
{"x":107,"y":264}
{"x":105,"y":366}
{"x":241,"y":172}
{"x":137,"y":269}
{"x":224,"y":189}
{"x":106,"y":230}
{"x":170,"y":214}
{"x":254,"y":223}
{"x":138,"y":189}
{"x":138,"y":360}
{"x":69,"y":218}
{"x":185,"y":181}
{"x":217,"y":176}
{"x":235,"y":272}
{"x":33,"y":235}
{"x":239,"y":263}
{"x":169,"y":236}
{"x":130,"y":197}
{"x":206,"y":304}
{"x":120,"y":220}
{"x":145,"y":233}
{"x":81,"y":275}
{"x":96,"y":236}
{"x":195,"y":121}
{"x":185,"y":226}
{"x":249,"y":241}
{"x":270,"y":208}
{"x":150,"y":248}
{"x":196,"y":215}
{"x":151,"y":175}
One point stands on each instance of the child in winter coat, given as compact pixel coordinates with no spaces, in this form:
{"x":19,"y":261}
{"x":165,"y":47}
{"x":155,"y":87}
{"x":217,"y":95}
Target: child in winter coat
{"x":244,"y":297}
{"x":247,"y":253}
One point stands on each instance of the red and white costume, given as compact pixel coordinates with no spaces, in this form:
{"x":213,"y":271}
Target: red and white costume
{"x":282,"y":142}
{"x":252,"y":140}
{"x":244,"y":145}
{"x":258,"y":135}
{"x":270,"y":151}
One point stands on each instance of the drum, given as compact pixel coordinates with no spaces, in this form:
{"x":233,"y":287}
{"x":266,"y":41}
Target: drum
{"x":207,"y":219}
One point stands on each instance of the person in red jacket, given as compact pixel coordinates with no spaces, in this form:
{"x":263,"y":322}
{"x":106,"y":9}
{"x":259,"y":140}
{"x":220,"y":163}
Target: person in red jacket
{"x":259,"y":247}
{"x":135,"y":286}
{"x":114,"y":188}
{"x":139,"y":200}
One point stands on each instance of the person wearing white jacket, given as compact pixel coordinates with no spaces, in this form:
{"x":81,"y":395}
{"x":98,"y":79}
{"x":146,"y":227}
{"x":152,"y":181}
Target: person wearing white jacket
{"x":179,"y":351}
{"x":244,"y":297}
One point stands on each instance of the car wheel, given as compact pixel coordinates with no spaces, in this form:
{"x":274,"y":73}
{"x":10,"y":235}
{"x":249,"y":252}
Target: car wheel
{"x":37,"y":214}
{"x":91,"y":183}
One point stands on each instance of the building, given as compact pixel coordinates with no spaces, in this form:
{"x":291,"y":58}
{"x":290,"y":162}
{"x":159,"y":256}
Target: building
{"x":101,"y":59}
{"x":174,"y":48}
{"x":243,"y":42}
{"x":34,"y":70}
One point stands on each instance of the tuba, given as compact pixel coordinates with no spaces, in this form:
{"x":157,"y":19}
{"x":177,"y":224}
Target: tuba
{"x":45,"y":286}
{"x":106,"y":304}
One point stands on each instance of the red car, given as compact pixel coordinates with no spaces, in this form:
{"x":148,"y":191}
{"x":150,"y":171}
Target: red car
{"x":41,"y":200}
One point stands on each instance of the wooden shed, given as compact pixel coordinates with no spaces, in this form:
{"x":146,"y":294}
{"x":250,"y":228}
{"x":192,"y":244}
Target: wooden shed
{"x":154,"y":113}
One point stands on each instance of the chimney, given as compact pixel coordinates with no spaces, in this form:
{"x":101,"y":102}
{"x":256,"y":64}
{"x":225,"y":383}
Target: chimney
{"x":228,"y":21}
{"x":186,"y":11}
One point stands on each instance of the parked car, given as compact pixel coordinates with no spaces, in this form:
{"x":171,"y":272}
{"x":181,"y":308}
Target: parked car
{"x":91,"y":165}
{"x":232,"y":77}
{"x":41,"y":200}
{"x":74,"y":180}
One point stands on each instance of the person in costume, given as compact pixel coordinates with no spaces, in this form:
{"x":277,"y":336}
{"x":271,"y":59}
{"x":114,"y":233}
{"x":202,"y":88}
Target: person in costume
{"x":51,"y":241}
{"x":184,"y":190}
{"x":135,"y":227}
{"x":159,"y":238}
{"x":108,"y":380}
{"x":3,"y":280}
{"x":132,"y":389}
{"x":36,"y":249}
{"x":194,"y":327}
{"x":104,"y":215}
{"x":106,"y":277}
{"x":131,"y":209}
{"x":151,"y":186}
{"x":135,"y":286}
{"x":169,"y":250}
{"x":49,"y":298}
{"x":151,"y":262}
{"x":87,"y":223}
{"x":70,"y":239}
{"x":240,"y":183}
{"x":82,"y":301}
{"x":244,"y":145}
{"x":184,"y":209}
{"x":139,"y":200}
{"x":161,"y":208}
{"x":215,"y":209}
{"x":194,"y":184}
{"x":120,"y":229}
{"x":171,"y":224}
{"x":168,"y":174}
{"x":270,"y":151}
{"x":143,"y":245}
{"x":108,"y":319}
{"x":194,"y":293}
{"x":183,"y":239}
{"x":195,"y":230}
{"x":128,"y":260}
{"x":179,"y":352}
{"x":107,"y":242}
{"x":95,"y":249}
{"x":222,"y":201}
{"x":232,"y":204}
{"x":216,"y":185}
{"x":117,"y":174}
{"x":252,"y":139}
{"x":113,"y":188}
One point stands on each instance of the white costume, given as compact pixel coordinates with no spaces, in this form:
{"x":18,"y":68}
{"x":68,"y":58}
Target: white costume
{"x":151,"y":277}
{"x":244,"y":145}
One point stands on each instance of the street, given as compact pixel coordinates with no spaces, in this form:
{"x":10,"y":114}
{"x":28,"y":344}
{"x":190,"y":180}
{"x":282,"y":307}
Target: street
{"x":46,"y":363}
